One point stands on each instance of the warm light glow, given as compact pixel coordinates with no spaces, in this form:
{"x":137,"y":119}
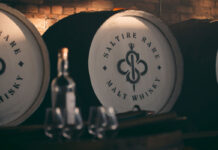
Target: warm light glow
{"x":64,"y":52}
{"x":117,"y":9}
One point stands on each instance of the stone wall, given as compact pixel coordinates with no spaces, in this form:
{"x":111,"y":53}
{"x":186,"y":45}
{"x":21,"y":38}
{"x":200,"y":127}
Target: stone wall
{"x":44,"y":13}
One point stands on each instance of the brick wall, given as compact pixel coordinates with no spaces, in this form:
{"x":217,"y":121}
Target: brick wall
{"x":44,"y":13}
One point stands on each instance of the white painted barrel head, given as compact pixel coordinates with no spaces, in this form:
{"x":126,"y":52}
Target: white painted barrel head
{"x":24,"y":67}
{"x":134,"y":60}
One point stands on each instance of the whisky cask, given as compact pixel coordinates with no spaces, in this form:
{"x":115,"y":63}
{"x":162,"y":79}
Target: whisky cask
{"x":120,"y":59}
{"x":134,"y":60}
{"x":24,"y":67}
{"x":199,"y":96}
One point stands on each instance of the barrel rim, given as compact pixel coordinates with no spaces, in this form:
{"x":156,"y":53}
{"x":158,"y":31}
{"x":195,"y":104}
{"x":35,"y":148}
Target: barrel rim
{"x":164,"y":29}
{"x":45,"y":58}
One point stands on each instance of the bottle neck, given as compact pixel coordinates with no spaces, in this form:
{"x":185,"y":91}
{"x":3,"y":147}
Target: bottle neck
{"x":62,"y":66}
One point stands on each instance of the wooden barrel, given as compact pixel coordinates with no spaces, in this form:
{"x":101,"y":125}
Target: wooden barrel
{"x":134,"y":60}
{"x":24,"y":67}
{"x":120,"y":59}
{"x":199,"y":96}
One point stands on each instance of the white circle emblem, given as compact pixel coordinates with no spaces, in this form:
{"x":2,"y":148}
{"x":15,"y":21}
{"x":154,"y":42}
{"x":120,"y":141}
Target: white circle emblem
{"x":133,"y":61}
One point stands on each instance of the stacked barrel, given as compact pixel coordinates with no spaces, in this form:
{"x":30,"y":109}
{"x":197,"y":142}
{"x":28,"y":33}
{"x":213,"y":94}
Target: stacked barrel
{"x":125,"y":59}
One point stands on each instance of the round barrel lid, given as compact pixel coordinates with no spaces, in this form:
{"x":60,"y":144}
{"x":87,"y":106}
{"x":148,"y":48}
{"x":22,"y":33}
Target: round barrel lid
{"x":24,"y":67}
{"x":134,"y":60}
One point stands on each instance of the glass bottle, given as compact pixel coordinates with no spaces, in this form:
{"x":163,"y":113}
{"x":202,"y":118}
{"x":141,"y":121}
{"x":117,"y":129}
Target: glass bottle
{"x":63,"y":87}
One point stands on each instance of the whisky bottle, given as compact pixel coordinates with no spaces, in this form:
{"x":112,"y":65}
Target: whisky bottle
{"x":63,"y":87}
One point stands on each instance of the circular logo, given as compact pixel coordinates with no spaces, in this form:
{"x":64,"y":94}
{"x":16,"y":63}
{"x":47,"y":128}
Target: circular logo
{"x":23,"y":64}
{"x":2,"y":66}
{"x":135,"y":64}
{"x":132,"y":59}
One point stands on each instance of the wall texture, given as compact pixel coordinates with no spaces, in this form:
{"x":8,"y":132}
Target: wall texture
{"x":44,"y":13}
